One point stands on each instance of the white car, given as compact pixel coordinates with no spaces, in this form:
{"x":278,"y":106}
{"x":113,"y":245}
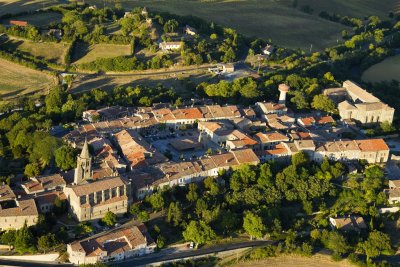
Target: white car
{"x":191,"y":245}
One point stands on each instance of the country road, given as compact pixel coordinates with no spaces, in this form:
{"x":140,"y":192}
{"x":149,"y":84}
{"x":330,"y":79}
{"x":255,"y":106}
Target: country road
{"x":163,"y":255}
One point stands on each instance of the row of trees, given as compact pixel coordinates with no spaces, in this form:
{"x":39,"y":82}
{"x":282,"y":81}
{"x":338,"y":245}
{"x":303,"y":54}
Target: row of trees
{"x":273,"y":198}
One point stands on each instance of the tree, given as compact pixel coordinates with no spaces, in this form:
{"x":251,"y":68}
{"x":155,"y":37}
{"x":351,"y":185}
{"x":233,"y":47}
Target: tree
{"x":83,"y":229}
{"x":65,"y":158}
{"x":265,"y":175}
{"x":335,"y":242}
{"x":109,"y":219}
{"x":174,"y":213}
{"x":24,"y":240}
{"x":46,"y":242}
{"x":156,"y":200}
{"x":199,"y":233}
{"x":170,"y":26}
{"x":376,"y":243}
{"x":322,"y":102}
{"x":192,"y":194}
{"x":143,"y":216}
{"x":8,"y":237}
{"x":299,"y":100}
{"x":253,"y":225}
{"x":32,"y":169}
{"x":211,"y":185}
{"x":300,"y":159}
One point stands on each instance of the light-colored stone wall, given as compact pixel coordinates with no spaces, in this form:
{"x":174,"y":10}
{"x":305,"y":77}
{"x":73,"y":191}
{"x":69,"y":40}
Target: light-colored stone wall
{"x":17,"y":222}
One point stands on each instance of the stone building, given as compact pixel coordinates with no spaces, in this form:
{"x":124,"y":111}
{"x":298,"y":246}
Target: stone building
{"x":116,"y":245}
{"x":91,"y":199}
{"x":15,"y":212}
{"x":357,"y":104}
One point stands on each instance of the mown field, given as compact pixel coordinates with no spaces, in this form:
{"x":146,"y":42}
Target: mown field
{"x":39,"y":19}
{"x":17,"y":6}
{"x":296,"y":261}
{"x":387,"y":70}
{"x":54,"y":52}
{"x":84,"y":53}
{"x":18,"y":80}
{"x":271,"y":19}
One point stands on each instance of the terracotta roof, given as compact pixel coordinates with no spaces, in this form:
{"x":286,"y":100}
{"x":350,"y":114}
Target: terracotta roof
{"x":372,"y":145}
{"x":49,"y":198}
{"x":244,"y":156}
{"x":45,"y":182}
{"x":6,"y":193}
{"x":307,"y":121}
{"x":349,"y":223}
{"x":136,"y":150}
{"x":278,"y":150}
{"x":23,"y":208}
{"x":19,"y":23}
{"x":360,"y":93}
{"x":271,"y":137}
{"x":98,"y":185}
{"x":114,"y":242}
{"x":325,"y":119}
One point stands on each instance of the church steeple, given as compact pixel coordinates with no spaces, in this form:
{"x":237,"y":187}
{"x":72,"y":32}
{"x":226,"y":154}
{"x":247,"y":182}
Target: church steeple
{"x":83,"y":169}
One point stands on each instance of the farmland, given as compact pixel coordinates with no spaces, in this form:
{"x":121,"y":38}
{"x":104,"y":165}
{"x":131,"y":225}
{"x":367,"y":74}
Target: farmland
{"x":386,"y":70}
{"x":18,"y":80}
{"x":84,"y":53}
{"x":39,"y":19}
{"x":298,"y":261}
{"x":17,"y":6}
{"x":53,"y":52}
{"x":276,"y":20}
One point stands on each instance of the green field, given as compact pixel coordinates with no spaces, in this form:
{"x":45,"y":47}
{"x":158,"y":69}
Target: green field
{"x":18,"y":6}
{"x":387,"y":70}
{"x":278,"y":20}
{"x":84,"y":53}
{"x":18,"y":80}
{"x":39,"y":19}
{"x":53,"y":52}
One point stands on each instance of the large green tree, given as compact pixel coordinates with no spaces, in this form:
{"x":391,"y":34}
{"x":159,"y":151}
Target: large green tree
{"x":253,"y":225}
{"x":199,"y":233}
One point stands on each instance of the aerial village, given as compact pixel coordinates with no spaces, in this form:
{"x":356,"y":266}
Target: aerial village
{"x":128,"y":152}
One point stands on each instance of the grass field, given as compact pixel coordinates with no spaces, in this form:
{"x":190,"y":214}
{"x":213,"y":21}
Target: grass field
{"x":18,"y":80}
{"x":54,"y":52}
{"x":17,"y":6}
{"x":39,"y":20}
{"x":278,"y":20}
{"x":84,"y":53}
{"x":296,"y":261}
{"x":387,"y":70}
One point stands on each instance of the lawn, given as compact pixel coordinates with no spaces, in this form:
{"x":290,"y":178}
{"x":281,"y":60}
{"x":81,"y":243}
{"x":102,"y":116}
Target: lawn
{"x":84,"y":53}
{"x":387,"y":70}
{"x":54,"y":52}
{"x":18,"y":80}
{"x":39,"y":19}
{"x":296,"y":261}
{"x":17,"y":6}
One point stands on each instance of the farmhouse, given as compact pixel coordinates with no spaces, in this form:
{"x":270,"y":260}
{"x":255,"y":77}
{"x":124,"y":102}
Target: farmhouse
{"x":116,"y":245}
{"x":268,"y":50}
{"x":349,"y":223}
{"x":190,"y":30}
{"x":169,"y":46}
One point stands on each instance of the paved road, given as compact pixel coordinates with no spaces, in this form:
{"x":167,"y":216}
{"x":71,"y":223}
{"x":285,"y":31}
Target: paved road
{"x":169,"y":254}
{"x":163,"y":255}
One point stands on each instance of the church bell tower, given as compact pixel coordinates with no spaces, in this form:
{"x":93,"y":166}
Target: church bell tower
{"x":83,"y":170}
